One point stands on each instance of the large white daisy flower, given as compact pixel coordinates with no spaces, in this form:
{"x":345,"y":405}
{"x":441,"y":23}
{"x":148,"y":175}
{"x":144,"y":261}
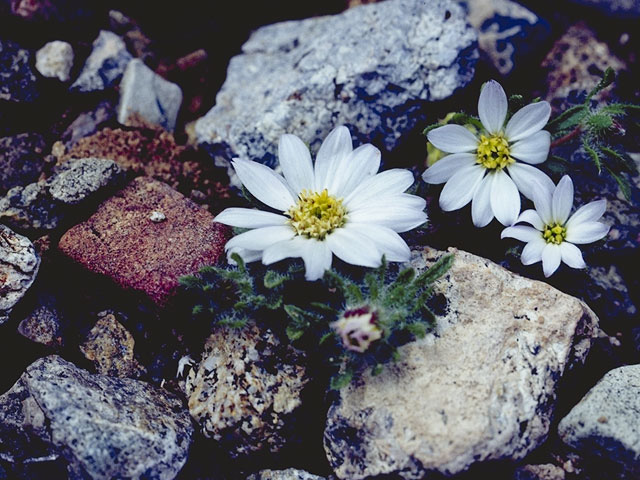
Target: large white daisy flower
{"x":554,"y":234}
{"x":477,"y":169}
{"x":340,"y":206}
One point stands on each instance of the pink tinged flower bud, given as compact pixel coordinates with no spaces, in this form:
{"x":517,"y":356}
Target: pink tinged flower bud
{"x":358,"y":328}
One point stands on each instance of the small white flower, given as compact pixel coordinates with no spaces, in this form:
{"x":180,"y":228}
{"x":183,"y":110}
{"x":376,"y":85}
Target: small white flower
{"x":553,"y":235}
{"x":358,"y":328}
{"x":340,"y":206}
{"x":475,"y":172}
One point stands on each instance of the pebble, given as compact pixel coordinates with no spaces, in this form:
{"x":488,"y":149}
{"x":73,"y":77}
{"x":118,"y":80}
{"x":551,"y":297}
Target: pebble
{"x":55,"y":60}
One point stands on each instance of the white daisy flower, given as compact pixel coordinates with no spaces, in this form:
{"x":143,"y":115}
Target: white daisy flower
{"x":554,"y":234}
{"x":340,"y":206}
{"x":477,"y":169}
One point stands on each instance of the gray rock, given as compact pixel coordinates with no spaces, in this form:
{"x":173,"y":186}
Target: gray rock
{"x":102,"y":427}
{"x":605,"y":422}
{"x":19,"y":265}
{"x":482,"y":387}
{"x":246,"y":390}
{"x":372,"y":68}
{"x":88,"y":123}
{"x":18,"y":82}
{"x":22,"y":160}
{"x":288,"y":474}
{"x":146,"y":94}
{"x":55,"y":60}
{"x":105,"y":65}
{"x":43,"y":325}
{"x":546,"y":471}
{"x":30,"y":208}
{"x":78,"y":179}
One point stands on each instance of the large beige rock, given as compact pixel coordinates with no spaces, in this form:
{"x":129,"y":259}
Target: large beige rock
{"x":482,"y":387}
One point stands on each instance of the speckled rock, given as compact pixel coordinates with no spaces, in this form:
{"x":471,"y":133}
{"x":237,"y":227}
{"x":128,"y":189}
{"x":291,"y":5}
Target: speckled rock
{"x":22,"y":160}
{"x":43,"y":325}
{"x":605,"y":422}
{"x":19,"y":265}
{"x":76,"y":180}
{"x":372,"y":68}
{"x":55,"y":59}
{"x":105,"y":65}
{"x":246,"y":389}
{"x":546,"y":471}
{"x":18,"y":82}
{"x":288,"y":474}
{"x":101,"y":427}
{"x":146,"y":94}
{"x":122,"y":243}
{"x":30,"y":208}
{"x":481,"y":388}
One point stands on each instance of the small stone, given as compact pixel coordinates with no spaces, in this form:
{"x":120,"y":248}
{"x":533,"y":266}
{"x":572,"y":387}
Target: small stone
{"x":100,"y":427}
{"x":617,"y":398}
{"x":43,"y":326}
{"x":120,"y":242}
{"x":246,"y":389}
{"x":55,"y":60}
{"x":105,"y":65}
{"x":18,"y":82}
{"x":540,"y":472}
{"x":157,"y":217}
{"x":76,"y":180}
{"x":21,"y":160}
{"x":146,"y":94}
{"x":288,"y":474}
{"x":19,"y":265}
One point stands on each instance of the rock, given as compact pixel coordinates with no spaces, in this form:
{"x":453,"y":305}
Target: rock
{"x":121,"y":242}
{"x":372,"y":68}
{"x":134,"y":37}
{"x":539,"y":472}
{"x":30,"y":208}
{"x":105,"y":65}
{"x":88,"y":123}
{"x":146,"y":94}
{"x":604,"y":424}
{"x":110,"y":347}
{"x":43,"y":325}
{"x":76,"y":180}
{"x":22,"y":160}
{"x":246,"y":390}
{"x":616,"y":8}
{"x":481,"y":388}
{"x":102,"y":427}
{"x":19,"y":265}
{"x":18,"y":82}
{"x":288,"y":474}
{"x":55,"y":60}
{"x":508,"y":33}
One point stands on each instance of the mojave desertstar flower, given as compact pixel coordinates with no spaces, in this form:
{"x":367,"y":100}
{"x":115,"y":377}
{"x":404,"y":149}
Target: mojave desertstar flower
{"x":553,"y":235}
{"x":475,"y":172}
{"x":340,"y":206}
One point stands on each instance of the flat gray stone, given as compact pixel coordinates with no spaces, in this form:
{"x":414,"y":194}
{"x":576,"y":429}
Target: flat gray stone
{"x":373,"y":68}
{"x":145,"y":93}
{"x":78,"y":179}
{"x":55,"y":59}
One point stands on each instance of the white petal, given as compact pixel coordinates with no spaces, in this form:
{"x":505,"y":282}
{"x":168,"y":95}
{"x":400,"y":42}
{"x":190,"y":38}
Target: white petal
{"x":388,"y":242}
{"x":571,"y":255}
{"x":533,"y":149}
{"x":264,"y":184}
{"x":481,"y":212}
{"x":586,"y":232}
{"x":505,"y":199}
{"x":528,"y":120}
{"x":291,"y":248}
{"x":492,"y":106}
{"x":531,"y":217}
{"x":529,"y":179}
{"x":353,"y":248}
{"x":532,"y":251}
{"x":551,"y":258}
{"x":453,"y":139}
{"x":588,"y":213}
{"x":249,"y":218}
{"x":359,"y":165}
{"x":388,"y":182}
{"x":400,"y":200}
{"x":459,"y":190}
{"x":389,"y":215}
{"x":333,"y":151}
{"x":295,"y":161}
{"x":260,"y":238}
{"x":542,"y":201}
{"x":317,"y":258}
{"x":562,"y":200}
{"x":522,"y":233}
{"x":445,"y":168}
{"x":246,"y":255}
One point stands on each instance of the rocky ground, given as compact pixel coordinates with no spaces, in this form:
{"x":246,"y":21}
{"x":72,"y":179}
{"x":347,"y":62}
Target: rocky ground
{"x":118,"y":123}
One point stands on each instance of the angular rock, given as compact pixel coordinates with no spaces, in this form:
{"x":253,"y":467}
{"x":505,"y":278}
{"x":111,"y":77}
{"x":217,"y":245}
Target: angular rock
{"x":55,"y":60}
{"x":78,"y":179}
{"x":372,"y":68}
{"x":88,"y":123}
{"x":22,"y":160}
{"x":122,"y":243}
{"x":43,"y":325}
{"x":18,"y":82}
{"x":105,"y":65}
{"x":481,"y":388}
{"x":145,"y":94}
{"x":246,"y":390}
{"x":102,"y":427}
{"x":605,"y":422}
{"x":288,"y":474}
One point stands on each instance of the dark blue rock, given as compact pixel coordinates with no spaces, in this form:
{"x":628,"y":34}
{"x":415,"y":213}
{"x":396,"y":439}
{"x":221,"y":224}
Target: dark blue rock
{"x":18,"y":82}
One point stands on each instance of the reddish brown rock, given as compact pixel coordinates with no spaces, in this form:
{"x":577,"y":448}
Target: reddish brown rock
{"x":122,"y":242}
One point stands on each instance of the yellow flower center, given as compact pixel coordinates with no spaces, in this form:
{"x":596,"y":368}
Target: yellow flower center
{"x":493,"y":152}
{"x":554,"y":233}
{"x":316,"y":215}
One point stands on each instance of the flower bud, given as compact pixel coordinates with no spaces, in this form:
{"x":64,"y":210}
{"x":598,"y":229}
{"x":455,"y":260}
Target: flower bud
{"x":358,"y":328}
